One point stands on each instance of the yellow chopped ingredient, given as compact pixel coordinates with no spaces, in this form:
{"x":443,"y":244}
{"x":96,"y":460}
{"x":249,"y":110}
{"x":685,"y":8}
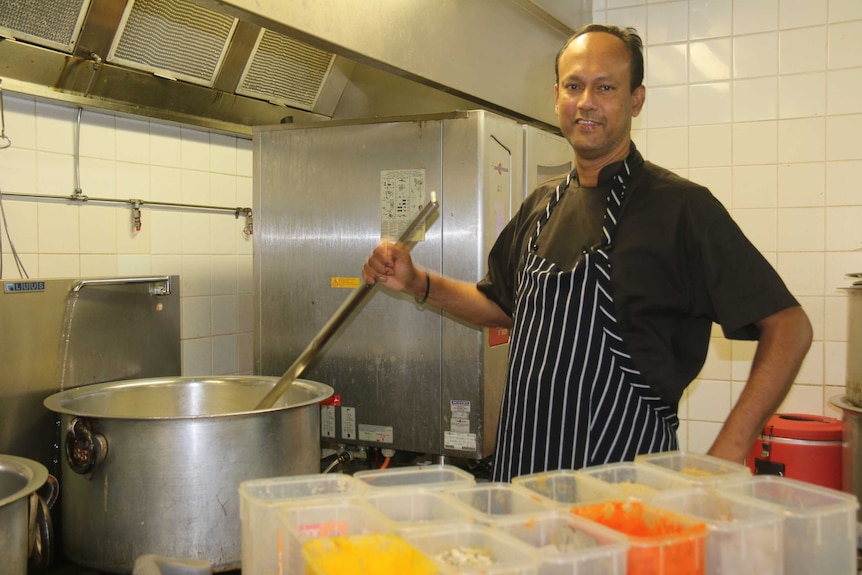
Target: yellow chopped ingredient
{"x":696,"y":472}
{"x":637,"y":490}
{"x":374,"y":554}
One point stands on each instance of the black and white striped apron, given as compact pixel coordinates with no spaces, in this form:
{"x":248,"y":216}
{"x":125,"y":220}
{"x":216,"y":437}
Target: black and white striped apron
{"x":574,"y":397}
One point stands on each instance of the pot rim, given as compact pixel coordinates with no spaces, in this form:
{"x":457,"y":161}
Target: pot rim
{"x":60,"y":402}
{"x":34,"y":472}
{"x":843,"y":403}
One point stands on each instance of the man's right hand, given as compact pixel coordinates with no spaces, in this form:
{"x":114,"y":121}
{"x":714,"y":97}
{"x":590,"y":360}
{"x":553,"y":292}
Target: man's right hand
{"x":391,"y":265}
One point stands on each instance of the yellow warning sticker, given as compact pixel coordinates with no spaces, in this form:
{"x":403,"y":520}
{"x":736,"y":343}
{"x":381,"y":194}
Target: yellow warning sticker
{"x":338,"y":282}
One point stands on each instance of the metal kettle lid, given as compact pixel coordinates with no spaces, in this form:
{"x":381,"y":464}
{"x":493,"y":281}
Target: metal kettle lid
{"x":803,"y":426}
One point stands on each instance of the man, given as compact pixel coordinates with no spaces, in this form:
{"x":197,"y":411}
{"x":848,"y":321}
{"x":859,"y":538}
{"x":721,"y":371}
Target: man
{"x":610,"y":281}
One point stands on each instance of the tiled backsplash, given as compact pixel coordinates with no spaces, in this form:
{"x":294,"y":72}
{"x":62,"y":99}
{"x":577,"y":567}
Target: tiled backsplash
{"x":759,"y":100}
{"x":130,"y":158}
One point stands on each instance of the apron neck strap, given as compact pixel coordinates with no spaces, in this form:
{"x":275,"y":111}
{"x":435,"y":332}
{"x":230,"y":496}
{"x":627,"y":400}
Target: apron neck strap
{"x":613,"y":207}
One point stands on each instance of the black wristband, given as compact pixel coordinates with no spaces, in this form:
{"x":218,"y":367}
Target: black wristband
{"x":424,"y":298}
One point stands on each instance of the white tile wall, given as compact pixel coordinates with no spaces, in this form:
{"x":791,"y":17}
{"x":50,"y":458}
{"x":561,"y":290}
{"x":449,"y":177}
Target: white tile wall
{"x":124,"y":157}
{"x":709,"y":18}
{"x":773,"y":128}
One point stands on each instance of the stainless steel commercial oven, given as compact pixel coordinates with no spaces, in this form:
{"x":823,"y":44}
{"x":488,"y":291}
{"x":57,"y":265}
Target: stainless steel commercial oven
{"x":406,"y":377}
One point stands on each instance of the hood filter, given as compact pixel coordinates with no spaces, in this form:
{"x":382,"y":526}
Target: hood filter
{"x":173,"y":38}
{"x":54,"y":24}
{"x":285,"y":71}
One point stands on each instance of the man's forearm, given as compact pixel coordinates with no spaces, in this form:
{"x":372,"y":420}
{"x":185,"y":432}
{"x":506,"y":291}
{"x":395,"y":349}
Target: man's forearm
{"x":784,"y":340}
{"x":462,"y":299}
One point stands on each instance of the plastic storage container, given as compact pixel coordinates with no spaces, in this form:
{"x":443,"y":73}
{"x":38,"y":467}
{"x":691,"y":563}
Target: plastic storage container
{"x":425,"y":477}
{"x":701,"y":469}
{"x":743,"y":536}
{"x":489,"y":502}
{"x":566,"y":487}
{"x":570,"y":545}
{"x":637,"y":480}
{"x":260,"y":502}
{"x":661,"y":542}
{"x":418,"y":507}
{"x":374,"y":554}
{"x":304,"y":522}
{"x":819,"y":523}
{"x":159,"y":565}
{"x":474,"y":548}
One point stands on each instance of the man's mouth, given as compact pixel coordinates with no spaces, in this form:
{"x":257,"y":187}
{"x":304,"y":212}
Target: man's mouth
{"x":585,"y":122}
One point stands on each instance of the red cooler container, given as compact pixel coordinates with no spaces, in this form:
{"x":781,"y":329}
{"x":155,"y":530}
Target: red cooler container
{"x":799,"y":446}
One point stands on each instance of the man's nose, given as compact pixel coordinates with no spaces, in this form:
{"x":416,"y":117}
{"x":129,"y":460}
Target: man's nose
{"x":587,"y":99}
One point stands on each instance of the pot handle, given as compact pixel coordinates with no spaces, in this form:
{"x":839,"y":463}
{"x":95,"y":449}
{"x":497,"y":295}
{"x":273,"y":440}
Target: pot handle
{"x":50,"y":491}
{"x":41,"y":533}
{"x":85,"y":449}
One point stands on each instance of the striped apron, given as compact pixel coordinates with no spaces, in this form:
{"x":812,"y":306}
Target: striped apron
{"x":573,"y":396}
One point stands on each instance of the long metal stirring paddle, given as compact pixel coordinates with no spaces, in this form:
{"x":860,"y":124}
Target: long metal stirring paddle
{"x":340,"y":316}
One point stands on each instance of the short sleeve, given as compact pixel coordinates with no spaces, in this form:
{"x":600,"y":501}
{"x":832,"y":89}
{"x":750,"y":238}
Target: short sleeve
{"x":742,"y":287}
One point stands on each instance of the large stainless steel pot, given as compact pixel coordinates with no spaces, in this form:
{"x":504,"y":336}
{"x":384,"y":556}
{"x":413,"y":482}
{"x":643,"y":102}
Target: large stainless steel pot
{"x":19,"y":480}
{"x":154,"y":465}
{"x":854,"y":344}
{"x":851,"y":451}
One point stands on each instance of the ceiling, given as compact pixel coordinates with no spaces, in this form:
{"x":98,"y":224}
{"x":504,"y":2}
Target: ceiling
{"x":230,"y":65}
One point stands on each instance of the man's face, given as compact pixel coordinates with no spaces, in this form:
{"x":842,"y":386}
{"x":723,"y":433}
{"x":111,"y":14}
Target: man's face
{"x":593,"y":99}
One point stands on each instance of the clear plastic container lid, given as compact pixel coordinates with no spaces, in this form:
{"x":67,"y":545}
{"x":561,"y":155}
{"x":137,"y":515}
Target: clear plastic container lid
{"x":418,"y":507}
{"x":313,"y":519}
{"x":701,"y":469}
{"x":566,"y":487}
{"x":283,"y":489}
{"x":793,"y":497}
{"x":426,"y":477}
{"x":637,"y":480}
{"x":716,"y":508}
{"x":489,"y":502}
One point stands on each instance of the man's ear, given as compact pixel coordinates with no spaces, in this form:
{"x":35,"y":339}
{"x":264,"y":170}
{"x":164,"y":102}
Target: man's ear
{"x":556,"y":98}
{"x":638,"y":97}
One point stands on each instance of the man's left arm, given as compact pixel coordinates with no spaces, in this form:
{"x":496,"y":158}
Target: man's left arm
{"x":785,"y":337}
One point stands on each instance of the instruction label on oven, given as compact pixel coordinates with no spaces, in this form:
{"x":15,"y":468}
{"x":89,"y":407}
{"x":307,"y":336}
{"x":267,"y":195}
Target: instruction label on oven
{"x":402,"y":194}
{"x":348,"y":423}
{"x":459,"y":420}
{"x":459,"y":436}
{"x":327,"y":421}
{"x":460,"y":441}
{"x":376,"y":433}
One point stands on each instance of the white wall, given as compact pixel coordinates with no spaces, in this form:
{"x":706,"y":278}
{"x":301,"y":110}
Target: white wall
{"x":760,"y":100}
{"x":127,"y":158}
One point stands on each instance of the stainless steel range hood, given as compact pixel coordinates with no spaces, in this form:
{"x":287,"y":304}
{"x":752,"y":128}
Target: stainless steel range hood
{"x":166,"y":58}
{"x":219,"y":65}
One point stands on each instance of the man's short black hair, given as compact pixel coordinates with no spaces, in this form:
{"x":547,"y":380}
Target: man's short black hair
{"x":630,"y":38}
